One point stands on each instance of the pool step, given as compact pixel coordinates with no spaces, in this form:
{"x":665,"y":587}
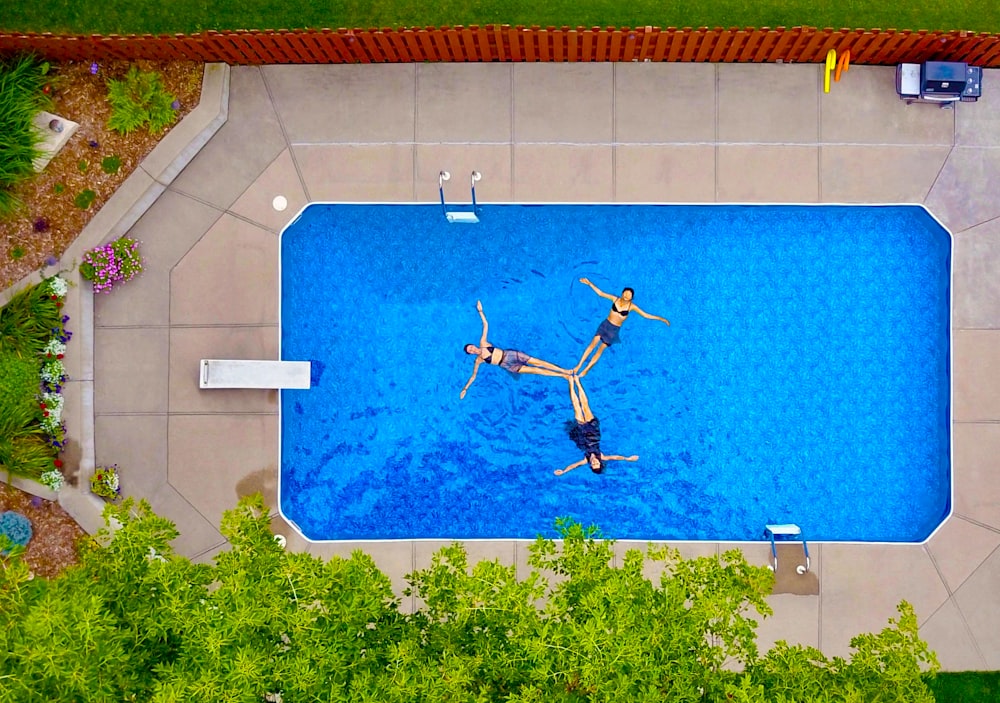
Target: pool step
{"x":789,"y":531}
{"x":463,"y":217}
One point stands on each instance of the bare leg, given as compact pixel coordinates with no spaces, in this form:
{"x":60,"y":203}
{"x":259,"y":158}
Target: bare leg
{"x":590,"y":348}
{"x":584,"y":402}
{"x":577,"y":408}
{"x":543,"y":372}
{"x":594,"y":358}
{"x":548,"y":365}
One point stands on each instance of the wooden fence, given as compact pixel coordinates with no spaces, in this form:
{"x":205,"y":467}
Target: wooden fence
{"x":505,"y":43}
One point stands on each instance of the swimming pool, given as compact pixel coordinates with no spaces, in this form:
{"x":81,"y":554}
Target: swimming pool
{"x":804,"y":377}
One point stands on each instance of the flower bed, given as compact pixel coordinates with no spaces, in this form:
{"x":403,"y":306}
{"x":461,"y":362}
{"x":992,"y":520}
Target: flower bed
{"x":33,"y":334}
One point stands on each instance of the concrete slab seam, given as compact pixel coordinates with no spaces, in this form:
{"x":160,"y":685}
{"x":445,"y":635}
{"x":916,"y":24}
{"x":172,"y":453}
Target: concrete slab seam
{"x":937,"y":176}
{"x":284,"y":135}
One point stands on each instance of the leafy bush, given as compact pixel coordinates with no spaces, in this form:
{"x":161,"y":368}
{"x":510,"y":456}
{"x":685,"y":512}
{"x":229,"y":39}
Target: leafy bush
{"x":21,"y":96}
{"x":108,"y":264}
{"x":105,"y":482}
{"x":15,"y":527}
{"x":139,"y":100}
{"x":18,"y":382}
{"x":84,"y":199}
{"x":111,"y":164}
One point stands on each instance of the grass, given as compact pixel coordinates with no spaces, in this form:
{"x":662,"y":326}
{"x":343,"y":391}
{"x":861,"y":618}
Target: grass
{"x":130,"y":17}
{"x":966,"y":686}
{"x":21,"y":96}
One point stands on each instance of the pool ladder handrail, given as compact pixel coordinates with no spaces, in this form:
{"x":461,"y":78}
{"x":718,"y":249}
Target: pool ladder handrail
{"x":788,"y":530}
{"x":459,"y":216}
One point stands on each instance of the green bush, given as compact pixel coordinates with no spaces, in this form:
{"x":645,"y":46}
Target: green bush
{"x":21,"y":97}
{"x":18,"y":382}
{"x":84,"y":199}
{"x":111,"y":164}
{"x":16,"y":528}
{"x":139,"y":100}
{"x":24,"y":450}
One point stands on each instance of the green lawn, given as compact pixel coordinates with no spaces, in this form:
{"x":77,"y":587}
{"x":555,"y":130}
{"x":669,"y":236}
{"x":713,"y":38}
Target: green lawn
{"x":966,"y":687}
{"x":140,"y":16}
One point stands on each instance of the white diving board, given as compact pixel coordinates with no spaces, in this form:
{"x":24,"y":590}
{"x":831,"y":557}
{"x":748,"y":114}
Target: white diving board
{"x":251,"y":373}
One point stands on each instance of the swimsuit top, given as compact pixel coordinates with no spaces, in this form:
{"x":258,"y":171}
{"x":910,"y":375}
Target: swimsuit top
{"x":489,"y":354}
{"x":614,"y":308}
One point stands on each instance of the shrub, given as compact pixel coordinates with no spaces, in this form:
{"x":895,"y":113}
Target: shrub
{"x":117,"y":262}
{"x":139,"y":100}
{"x":111,"y":164}
{"x":84,"y":199}
{"x":105,"y":482}
{"x":15,"y":527}
{"x":18,"y":382}
{"x":21,"y":96}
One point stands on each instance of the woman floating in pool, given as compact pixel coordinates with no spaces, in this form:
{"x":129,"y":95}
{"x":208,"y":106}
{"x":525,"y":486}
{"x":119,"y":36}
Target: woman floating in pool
{"x":607,"y":332}
{"x":508,"y":359}
{"x":586,"y":433}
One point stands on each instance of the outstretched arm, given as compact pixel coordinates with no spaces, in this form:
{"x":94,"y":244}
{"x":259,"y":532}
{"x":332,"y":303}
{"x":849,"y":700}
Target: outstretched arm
{"x":486,"y":328}
{"x":597,"y":290}
{"x":650,"y":317}
{"x":567,"y":469}
{"x":619,"y":457}
{"x":475,"y":370}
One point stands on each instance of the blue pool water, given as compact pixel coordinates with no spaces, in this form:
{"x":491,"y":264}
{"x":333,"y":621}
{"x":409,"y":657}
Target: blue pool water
{"x":804,"y":377}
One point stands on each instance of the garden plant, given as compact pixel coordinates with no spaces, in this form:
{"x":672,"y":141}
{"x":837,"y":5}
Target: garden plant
{"x":15,"y":530}
{"x":33,"y":340}
{"x":112,"y":264}
{"x":105,"y":482}
{"x":22,"y":80}
{"x":137,"y":622}
{"x":140,"y":100}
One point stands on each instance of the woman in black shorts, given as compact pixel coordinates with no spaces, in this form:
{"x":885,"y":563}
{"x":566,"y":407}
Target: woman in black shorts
{"x":585,"y":431}
{"x":510,"y":360}
{"x":609,"y":329}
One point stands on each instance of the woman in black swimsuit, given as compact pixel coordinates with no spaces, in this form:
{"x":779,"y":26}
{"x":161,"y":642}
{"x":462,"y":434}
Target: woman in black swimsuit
{"x":510,"y":360}
{"x":607,"y":332}
{"x":586,"y":433}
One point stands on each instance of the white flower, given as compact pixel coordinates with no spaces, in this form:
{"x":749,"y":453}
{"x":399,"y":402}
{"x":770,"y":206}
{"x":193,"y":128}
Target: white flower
{"x":58,"y":286}
{"x":54,"y":407}
{"x":55,"y":347}
{"x":53,"y":371}
{"x":53,"y":479}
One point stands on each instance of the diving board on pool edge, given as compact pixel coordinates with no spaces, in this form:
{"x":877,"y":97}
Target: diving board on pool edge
{"x":253,"y":373}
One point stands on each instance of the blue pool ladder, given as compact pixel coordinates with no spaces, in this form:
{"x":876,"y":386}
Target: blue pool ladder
{"x":459,"y":216}
{"x":786,"y":532}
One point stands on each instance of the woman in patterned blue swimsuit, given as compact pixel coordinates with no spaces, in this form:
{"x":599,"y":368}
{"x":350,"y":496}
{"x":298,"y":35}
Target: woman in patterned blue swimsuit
{"x":510,"y":360}
{"x":607,"y":333}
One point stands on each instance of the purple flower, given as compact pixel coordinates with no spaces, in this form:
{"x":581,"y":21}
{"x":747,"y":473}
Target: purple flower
{"x":36,"y":502}
{"x":93,"y":144}
{"x":51,"y":261}
{"x":41,"y":225}
{"x":176,"y":104}
{"x":93,"y":68}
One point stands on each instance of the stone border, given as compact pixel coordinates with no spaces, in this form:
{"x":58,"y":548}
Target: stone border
{"x":129,"y":203}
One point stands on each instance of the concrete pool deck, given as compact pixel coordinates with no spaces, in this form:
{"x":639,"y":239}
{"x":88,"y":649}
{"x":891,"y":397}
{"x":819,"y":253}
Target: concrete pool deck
{"x":551,"y":132}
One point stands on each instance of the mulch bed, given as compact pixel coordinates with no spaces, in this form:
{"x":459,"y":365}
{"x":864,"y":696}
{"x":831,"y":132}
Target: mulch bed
{"x":55,"y":534}
{"x":81,"y":96}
